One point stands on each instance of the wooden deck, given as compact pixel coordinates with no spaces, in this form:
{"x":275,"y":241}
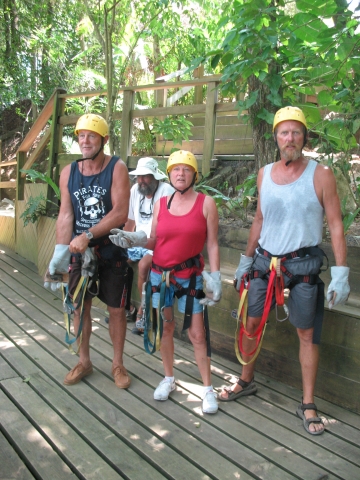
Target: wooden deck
{"x":95,"y":431}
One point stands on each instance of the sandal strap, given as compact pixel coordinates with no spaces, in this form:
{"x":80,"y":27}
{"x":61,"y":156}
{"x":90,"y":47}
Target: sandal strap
{"x":308,"y":406}
{"x":244,"y":384}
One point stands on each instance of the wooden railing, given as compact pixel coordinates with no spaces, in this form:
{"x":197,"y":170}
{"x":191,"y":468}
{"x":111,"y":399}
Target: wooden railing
{"x":55,"y":107}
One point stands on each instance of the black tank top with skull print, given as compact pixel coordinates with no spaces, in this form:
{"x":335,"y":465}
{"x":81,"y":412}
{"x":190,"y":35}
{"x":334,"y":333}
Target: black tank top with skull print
{"x":90,"y":196}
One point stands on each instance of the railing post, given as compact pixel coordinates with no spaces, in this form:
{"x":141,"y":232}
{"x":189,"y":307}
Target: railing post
{"x":126,"y":125}
{"x":55,"y":142}
{"x":209,"y":128}
{"x":199,"y":95}
{"x":20,"y":180}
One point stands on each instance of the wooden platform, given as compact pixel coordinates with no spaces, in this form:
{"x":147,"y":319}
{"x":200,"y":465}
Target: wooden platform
{"x":95,"y":431}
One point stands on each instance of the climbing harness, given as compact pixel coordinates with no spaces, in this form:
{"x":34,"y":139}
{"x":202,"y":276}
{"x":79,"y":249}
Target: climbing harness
{"x":154,"y":321}
{"x":275,"y":277}
{"x":76,"y":300}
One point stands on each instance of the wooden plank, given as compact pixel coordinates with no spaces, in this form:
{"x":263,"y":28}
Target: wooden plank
{"x":179,"y":94}
{"x":169,"y":462}
{"x":224,"y":132}
{"x":159,"y":425}
{"x":162,"y":111}
{"x":46,"y":242}
{"x":8,"y":163}
{"x":37,"y":454}
{"x":145,"y":88}
{"x":126,"y":126}
{"x":7,"y":231}
{"x":66,"y":425}
{"x":209,"y":129}
{"x":146,"y":377}
{"x":12,"y":467}
{"x":279,"y":407}
{"x":9,"y":184}
{"x":146,"y":416}
{"x":244,"y":146}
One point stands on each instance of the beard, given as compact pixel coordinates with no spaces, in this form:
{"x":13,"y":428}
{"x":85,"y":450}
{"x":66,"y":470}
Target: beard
{"x":148,"y":189}
{"x":290,"y":156}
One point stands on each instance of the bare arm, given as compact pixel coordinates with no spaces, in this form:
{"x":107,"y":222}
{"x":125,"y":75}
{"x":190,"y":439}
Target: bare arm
{"x":65,"y":221}
{"x":325,"y":186}
{"x":120,"y":193}
{"x":212,"y":225}
{"x":256,"y":226}
{"x":152,"y":239}
{"x":129,"y":225}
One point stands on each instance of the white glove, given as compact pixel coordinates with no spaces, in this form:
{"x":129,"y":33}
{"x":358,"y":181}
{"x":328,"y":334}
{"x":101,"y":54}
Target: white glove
{"x":213,"y":288}
{"x":128,"y":239}
{"x":243,"y":267}
{"x":54,"y":285}
{"x":88,"y":263}
{"x":60,"y":260}
{"x":58,"y":264}
{"x":339,"y":288}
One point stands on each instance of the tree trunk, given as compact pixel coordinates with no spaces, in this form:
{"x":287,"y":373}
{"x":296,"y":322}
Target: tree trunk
{"x":264,"y":146}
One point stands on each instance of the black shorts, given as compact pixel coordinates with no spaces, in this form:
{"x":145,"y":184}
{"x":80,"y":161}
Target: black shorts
{"x":114,"y":278}
{"x":302,"y":301}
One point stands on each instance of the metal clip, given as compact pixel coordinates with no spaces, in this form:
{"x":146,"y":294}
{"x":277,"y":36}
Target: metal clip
{"x":286,"y":310}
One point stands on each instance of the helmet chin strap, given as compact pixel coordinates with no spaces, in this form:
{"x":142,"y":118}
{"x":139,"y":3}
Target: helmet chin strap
{"x":94,"y":156}
{"x":180,"y":191}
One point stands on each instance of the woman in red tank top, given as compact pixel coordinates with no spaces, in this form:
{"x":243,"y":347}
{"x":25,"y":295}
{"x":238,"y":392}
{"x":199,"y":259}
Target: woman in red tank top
{"x":182,"y":224}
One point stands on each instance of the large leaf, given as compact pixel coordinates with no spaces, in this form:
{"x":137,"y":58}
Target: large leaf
{"x":307,"y":27}
{"x":336,"y":133}
{"x":324,"y":8}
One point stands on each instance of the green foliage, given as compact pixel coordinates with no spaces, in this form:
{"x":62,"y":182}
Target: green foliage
{"x":293,"y":52}
{"x":32,"y":175}
{"x":226,"y":205}
{"x":36,"y":206}
{"x":174,"y":127}
{"x":349,"y":219}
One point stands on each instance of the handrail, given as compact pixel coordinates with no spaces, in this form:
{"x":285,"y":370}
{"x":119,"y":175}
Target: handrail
{"x":153,"y":86}
{"x":172,"y":75}
{"x":39,"y":123}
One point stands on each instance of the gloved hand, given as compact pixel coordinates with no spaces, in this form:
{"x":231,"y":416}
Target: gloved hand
{"x":88,"y":263}
{"x":58,"y":264}
{"x":128,"y":239}
{"x":243,"y":267}
{"x":60,"y":260}
{"x":339,"y":288}
{"x":213,"y":289}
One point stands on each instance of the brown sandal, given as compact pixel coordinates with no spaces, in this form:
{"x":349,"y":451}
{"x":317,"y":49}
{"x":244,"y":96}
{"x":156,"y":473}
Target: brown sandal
{"x":248,"y":388}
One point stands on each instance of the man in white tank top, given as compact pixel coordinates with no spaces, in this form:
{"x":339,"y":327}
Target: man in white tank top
{"x":294,"y":194}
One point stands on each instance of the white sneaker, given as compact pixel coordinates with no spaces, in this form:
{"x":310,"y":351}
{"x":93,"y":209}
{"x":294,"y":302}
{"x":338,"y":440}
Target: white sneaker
{"x":164,"y":389}
{"x":209,"y":404}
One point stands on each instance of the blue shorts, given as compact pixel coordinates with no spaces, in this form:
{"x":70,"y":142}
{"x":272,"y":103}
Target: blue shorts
{"x":137,"y":253}
{"x":155,"y":279}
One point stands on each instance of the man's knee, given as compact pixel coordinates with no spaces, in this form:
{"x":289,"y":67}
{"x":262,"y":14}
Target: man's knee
{"x":305,"y":334}
{"x":252,"y":324}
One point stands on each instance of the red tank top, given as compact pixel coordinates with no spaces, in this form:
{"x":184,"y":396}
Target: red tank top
{"x":179,"y":238}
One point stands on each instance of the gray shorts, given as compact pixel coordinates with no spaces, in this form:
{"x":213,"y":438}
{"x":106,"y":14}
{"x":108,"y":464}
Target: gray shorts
{"x":302,"y":300}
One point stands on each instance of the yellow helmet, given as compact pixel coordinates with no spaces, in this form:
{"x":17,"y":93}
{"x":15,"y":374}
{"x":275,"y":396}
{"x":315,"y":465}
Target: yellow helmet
{"x":94,"y":123}
{"x":289,"y":113}
{"x":182,"y":156}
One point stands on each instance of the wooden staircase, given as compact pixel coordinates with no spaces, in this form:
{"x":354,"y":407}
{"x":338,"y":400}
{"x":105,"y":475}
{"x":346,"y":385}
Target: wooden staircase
{"x":233,"y":136}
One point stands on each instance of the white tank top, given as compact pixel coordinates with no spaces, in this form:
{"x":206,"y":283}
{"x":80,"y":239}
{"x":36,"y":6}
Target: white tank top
{"x":292,"y":214}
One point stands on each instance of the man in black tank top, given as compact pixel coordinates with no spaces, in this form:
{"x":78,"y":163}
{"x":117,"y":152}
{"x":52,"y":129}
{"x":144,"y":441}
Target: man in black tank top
{"x":302,"y":261}
{"x":95,"y":194}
